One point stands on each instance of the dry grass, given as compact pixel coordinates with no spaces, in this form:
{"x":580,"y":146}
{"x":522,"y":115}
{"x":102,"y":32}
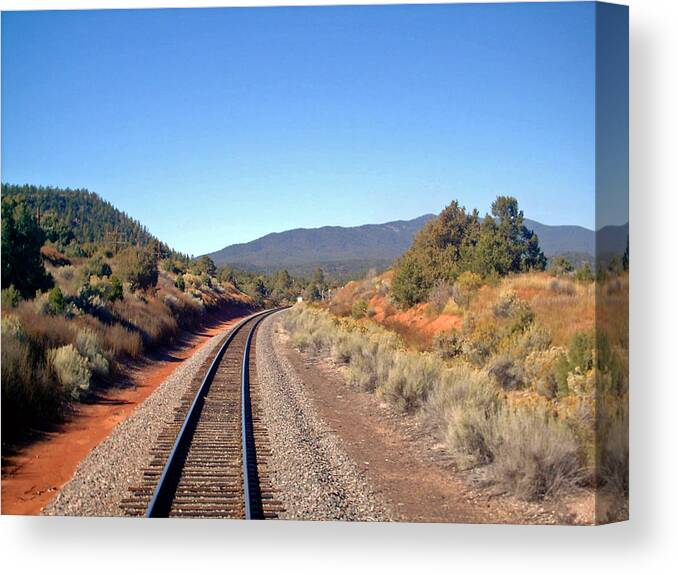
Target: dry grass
{"x":529,"y":453}
{"x":563,"y":311}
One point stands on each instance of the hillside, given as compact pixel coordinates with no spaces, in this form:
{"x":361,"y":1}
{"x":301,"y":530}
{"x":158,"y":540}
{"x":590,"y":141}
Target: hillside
{"x":80,"y":216}
{"x":334,"y":248}
{"x":354,"y":250}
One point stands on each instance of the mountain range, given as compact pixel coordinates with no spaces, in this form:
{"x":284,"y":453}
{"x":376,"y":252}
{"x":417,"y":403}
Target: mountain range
{"x":351,"y":251}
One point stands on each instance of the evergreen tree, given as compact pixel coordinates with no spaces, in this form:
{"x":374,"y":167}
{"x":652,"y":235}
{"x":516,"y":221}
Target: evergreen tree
{"x":22,"y":239}
{"x":456,"y":242}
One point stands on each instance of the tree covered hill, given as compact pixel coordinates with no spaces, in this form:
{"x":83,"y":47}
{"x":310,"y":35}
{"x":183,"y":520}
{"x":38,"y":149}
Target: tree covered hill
{"x":80,"y":216}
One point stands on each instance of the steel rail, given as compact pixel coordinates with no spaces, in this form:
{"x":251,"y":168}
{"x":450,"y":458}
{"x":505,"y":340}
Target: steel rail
{"x":249,"y":457}
{"x":161,"y":501}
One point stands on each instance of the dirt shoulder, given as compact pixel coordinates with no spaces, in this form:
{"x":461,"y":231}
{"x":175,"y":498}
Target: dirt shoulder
{"x":400,"y":459}
{"x":32,"y":476}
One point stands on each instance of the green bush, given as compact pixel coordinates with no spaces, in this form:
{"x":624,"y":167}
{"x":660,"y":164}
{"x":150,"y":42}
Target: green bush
{"x":138,"y":267}
{"x":57,"y":303}
{"x":10,"y":297}
{"x":584,"y":274}
{"x":560,"y":266}
{"x":114,"y":291}
{"x":179,"y":283}
{"x":72,"y":370}
{"x":95,"y":266}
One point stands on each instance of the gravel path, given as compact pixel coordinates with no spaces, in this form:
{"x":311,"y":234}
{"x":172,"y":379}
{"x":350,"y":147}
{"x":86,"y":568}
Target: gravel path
{"x":314,"y":475}
{"x":103,"y":478}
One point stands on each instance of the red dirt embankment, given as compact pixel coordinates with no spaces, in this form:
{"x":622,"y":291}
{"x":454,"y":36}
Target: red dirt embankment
{"x":33,"y":475}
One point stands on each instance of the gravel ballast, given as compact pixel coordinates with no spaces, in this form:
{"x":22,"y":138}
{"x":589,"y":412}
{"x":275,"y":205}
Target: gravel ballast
{"x":103,"y":478}
{"x":315,"y":477}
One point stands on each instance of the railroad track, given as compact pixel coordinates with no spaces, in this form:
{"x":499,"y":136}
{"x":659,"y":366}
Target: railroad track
{"x":211,"y":460}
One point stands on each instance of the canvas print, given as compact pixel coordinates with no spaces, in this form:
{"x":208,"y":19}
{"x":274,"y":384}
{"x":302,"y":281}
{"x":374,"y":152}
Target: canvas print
{"x":331,"y":263}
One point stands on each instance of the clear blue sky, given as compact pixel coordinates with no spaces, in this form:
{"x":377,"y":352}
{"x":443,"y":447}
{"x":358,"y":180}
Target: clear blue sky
{"x":215,"y":126}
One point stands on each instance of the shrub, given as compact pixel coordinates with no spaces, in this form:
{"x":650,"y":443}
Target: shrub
{"x":72,"y":370}
{"x":581,"y":351}
{"x":171,"y":266}
{"x":87,"y":343}
{"x":507,"y":372}
{"x":466,"y":286}
{"x":535,"y":456}
{"x":120,"y":341}
{"x":75,"y":250}
{"x":95,"y":266}
{"x":448,"y":344}
{"x":57,"y":303}
{"x":506,"y":305}
{"x":345,"y":347}
{"x":363,"y":372}
{"x":540,"y":371}
{"x":54,"y":256}
{"x":560,"y":266}
{"x":561,"y":287}
{"x":439,"y":295}
{"x":584,"y":274}
{"x":470,"y":435}
{"x":480,"y":344}
{"x":461,"y":405}
{"x":152,"y":318}
{"x":410,"y":378}
{"x":529,"y":453}
{"x":114,"y":292}
{"x":138,"y":267}
{"x":534,"y":338}
{"x":45,"y":331}
{"x":30,"y":399}
{"x":359,"y":309}
{"x":179,"y":283}
{"x":10,"y":297}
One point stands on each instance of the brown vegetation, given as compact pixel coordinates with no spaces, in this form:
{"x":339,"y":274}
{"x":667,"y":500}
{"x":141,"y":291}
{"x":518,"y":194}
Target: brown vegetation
{"x":510,"y":382}
{"x":59,"y":344}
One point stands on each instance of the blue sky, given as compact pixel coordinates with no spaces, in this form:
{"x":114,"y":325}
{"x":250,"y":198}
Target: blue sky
{"x":216,"y":126}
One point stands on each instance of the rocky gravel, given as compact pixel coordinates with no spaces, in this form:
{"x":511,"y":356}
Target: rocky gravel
{"x":103,"y":478}
{"x":315,"y":477}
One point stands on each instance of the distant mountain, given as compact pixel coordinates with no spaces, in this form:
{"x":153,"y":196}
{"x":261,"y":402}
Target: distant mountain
{"x":334,"y":248}
{"x":557,"y":240}
{"x":353,"y":251}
